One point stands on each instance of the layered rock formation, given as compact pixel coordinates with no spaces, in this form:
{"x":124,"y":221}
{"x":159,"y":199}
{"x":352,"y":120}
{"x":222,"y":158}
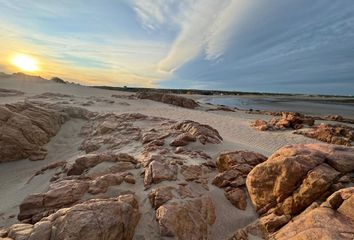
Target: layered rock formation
{"x":169,"y":99}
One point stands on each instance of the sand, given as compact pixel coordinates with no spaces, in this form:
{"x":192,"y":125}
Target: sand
{"x":232,"y":126}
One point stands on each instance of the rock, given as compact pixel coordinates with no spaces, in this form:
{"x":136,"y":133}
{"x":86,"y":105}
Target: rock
{"x":195,"y":172}
{"x":106,"y":219}
{"x":335,"y":134}
{"x":20,"y":231}
{"x":186,"y":219}
{"x":334,"y":219}
{"x":203,"y":133}
{"x":169,"y":99}
{"x":230,"y":160}
{"x":296,"y":175}
{"x":101,"y":184}
{"x":161,"y":195}
{"x":183,"y":140}
{"x":25,"y":128}
{"x":90,"y":160}
{"x":157,"y":172}
{"x":238,"y":198}
{"x":60,"y":194}
{"x":233,"y":178}
{"x":292,"y":120}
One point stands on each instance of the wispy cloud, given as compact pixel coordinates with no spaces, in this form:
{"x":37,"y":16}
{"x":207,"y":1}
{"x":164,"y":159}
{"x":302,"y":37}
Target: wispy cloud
{"x":206,"y":27}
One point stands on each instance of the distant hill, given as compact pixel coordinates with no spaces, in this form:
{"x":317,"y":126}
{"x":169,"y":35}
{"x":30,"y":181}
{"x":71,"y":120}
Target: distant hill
{"x":58,"y":80}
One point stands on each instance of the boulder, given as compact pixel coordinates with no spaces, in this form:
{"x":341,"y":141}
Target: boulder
{"x":296,"y":175}
{"x":60,"y":194}
{"x":334,"y":219}
{"x":237,"y":197}
{"x":202,"y":132}
{"x":157,"y":172}
{"x":106,"y":219}
{"x":186,"y":219}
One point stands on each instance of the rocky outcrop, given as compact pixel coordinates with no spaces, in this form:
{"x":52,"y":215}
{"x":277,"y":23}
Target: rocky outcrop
{"x":186,"y":219}
{"x":202,"y":132}
{"x":334,"y":219}
{"x":26,"y":126}
{"x":169,"y":99}
{"x":61,"y":194}
{"x":288,"y":120}
{"x":106,"y":219}
{"x":233,"y":169}
{"x":296,"y":175}
{"x":88,"y":161}
{"x":335,"y":134}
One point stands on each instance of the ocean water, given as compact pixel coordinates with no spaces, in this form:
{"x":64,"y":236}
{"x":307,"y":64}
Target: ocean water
{"x":277,"y":104}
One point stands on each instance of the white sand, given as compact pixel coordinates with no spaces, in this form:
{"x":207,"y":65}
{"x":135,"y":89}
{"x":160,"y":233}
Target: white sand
{"x":233,"y":127}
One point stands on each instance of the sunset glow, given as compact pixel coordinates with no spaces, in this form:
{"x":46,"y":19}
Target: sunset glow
{"x":25,"y":63}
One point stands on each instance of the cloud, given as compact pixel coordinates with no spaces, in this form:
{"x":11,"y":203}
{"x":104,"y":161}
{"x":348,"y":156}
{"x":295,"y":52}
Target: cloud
{"x":206,"y":28}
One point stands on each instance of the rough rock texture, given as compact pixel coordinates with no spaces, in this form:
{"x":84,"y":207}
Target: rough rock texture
{"x":163,"y":194}
{"x":61,"y":194}
{"x":297,"y":175}
{"x":26,"y":126}
{"x":237,"y":197}
{"x":90,"y":160}
{"x":157,"y":172}
{"x":106,"y":219}
{"x":167,"y":98}
{"x":335,"y":134}
{"x":233,"y":168}
{"x":334,"y":219}
{"x":203,"y":133}
{"x":288,"y":120}
{"x":186,"y":219}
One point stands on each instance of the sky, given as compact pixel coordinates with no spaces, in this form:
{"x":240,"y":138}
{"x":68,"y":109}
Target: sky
{"x":295,"y":46}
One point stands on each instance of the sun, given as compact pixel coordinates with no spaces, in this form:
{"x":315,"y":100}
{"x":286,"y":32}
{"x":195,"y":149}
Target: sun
{"x":25,"y":63}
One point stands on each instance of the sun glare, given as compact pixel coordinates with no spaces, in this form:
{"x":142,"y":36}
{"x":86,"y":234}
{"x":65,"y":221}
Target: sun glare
{"x":25,"y":63}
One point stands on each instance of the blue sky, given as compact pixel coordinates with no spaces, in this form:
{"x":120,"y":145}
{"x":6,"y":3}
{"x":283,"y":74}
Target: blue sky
{"x":249,"y":45}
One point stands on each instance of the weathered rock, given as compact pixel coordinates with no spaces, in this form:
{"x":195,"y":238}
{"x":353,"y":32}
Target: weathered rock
{"x":106,"y":219}
{"x":296,"y":175}
{"x":237,"y":197}
{"x":186,"y":219}
{"x":169,"y":99}
{"x":334,"y":219}
{"x":335,"y":134}
{"x":101,"y":184}
{"x":157,"y":172}
{"x":195,"y":172}
{"x":287,"y":120}
{"x":203,"y":133}
{"x":60,"y":194}
{"x":236,"y":160}
{"x":161,"y":195}
{"x":90,"y":160}
{"x":183,"y":140}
